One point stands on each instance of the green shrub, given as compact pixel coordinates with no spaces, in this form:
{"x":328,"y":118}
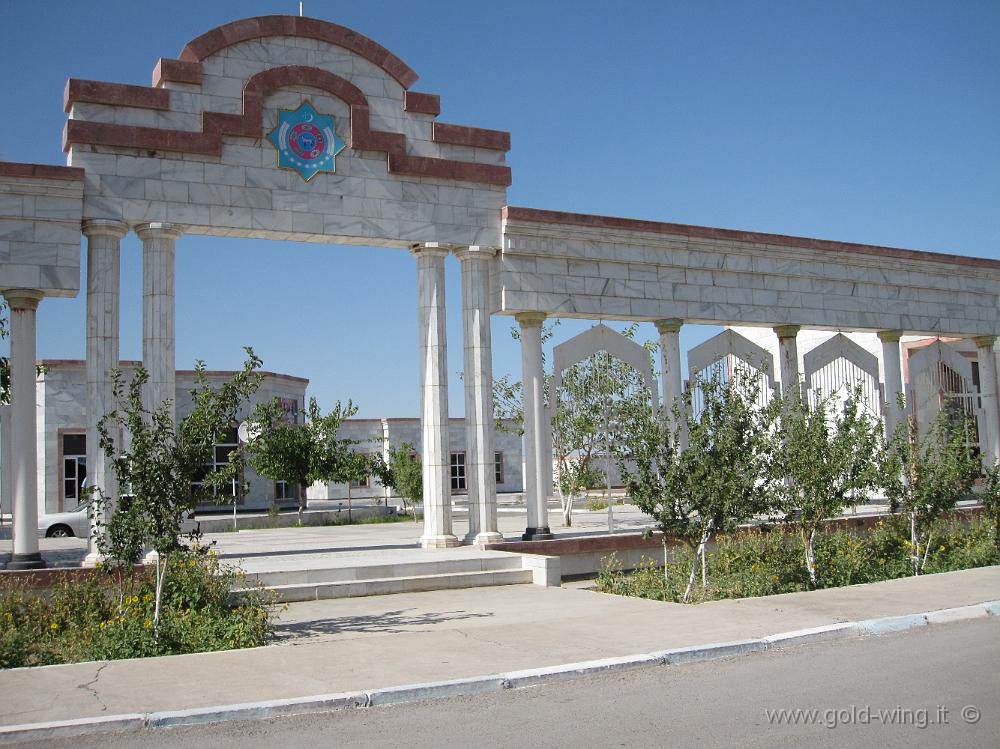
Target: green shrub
{"x":88,"y":619}
{"x":762,"y":562}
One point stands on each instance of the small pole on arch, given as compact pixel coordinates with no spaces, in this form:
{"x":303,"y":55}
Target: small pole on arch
{"x":301,"y":3}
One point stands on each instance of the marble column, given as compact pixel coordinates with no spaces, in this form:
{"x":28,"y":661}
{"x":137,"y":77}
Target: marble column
{"x":158,"y":313}
{"x":434,"y":396}
{"x":24,"y":456}
{"x":480,"y":464}
{"x":989,"y":438}
{"x":103,"y":294}
{"x":670,"y":368}
{"x":788,"y":356}
{"x":533,"y":381}
{"x":892,"y":379}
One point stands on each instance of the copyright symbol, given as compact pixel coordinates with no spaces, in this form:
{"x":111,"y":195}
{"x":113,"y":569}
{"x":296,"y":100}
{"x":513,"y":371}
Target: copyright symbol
{"x":970,"y":714}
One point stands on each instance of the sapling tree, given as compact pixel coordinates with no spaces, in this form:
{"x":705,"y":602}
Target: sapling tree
{"x":825,"y":461}
{"x":720,"y":478}
{"x":594,"y":394}
{"x":991,"y":501}
{"x":304,"y":453}
{"x":161,"y":476}
{"x":925,"y":475}
{"x":401,"y":473}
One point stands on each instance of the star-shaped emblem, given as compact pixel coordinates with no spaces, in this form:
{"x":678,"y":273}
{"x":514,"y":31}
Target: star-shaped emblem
{"x":306,"y":141}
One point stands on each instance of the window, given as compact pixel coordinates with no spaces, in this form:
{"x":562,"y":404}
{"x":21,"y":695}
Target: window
{"x":220,"y":457}
{"x":458,"y":471}
{"x":285,"y":490}
{"x":74,"y":453}
{"x":498,"y":466}
{"x":362,"y":483}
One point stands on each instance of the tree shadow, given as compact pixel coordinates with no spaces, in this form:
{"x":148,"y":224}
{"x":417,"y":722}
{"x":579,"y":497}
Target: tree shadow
{"x":386,"y":622}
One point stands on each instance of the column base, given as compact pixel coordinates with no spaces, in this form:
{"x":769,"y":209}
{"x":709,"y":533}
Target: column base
{"x":488,"y":537}
{"x":32,"y":561}
{"x":447,"y":541}
{"x":541,"y":533}
{"x":93,"y":559}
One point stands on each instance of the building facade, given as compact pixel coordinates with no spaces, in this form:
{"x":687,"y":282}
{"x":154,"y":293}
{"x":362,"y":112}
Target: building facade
{"x":62,"y":433}
{"x":378,"y":435}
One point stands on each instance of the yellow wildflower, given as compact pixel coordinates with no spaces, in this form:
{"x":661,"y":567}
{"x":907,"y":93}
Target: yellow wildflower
{"x":53,"y":626}
{"x":941,"y":547}
{"x":147,"y":624}
{"x":148,"y":597}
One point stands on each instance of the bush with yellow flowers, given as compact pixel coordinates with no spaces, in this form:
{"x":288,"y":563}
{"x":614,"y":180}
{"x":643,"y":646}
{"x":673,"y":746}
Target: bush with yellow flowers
{"x":206,"y":606}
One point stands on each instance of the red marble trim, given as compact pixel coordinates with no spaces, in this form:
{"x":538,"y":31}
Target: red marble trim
{"x":115,"y":95}
{"x":477,"y":137}
{"x":706,"y":232}
{"x":421,"y":103}
{"x":250,"y":124}
{"x":176,"y":71}
{"x":43,"y":171}
{"x":311,"y":28}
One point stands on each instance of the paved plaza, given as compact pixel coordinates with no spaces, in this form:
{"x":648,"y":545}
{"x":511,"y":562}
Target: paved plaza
{"x":380,"y":641}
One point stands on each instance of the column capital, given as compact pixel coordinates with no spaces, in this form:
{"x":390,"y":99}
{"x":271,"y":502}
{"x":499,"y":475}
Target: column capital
{"x":158,"y":230}
{"x":530,"y":319}
{"x":890,"y":336}
{"x":669,"y":325}
{"x":475,"y":252}
{"x":432,"y":249}
{"x":23,"y":298}
{"x":104,"y":227}
{"x":786,"y":331}
{"x":985,"y":341}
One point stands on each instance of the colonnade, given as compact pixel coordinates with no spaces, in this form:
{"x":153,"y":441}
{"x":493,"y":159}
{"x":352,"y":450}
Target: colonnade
{"x":158,"y":242}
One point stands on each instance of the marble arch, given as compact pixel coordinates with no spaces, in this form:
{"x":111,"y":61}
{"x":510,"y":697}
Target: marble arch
{"x":187,"y":155}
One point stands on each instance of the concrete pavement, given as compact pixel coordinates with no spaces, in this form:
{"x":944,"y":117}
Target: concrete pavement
{"x":932,"y":687}
{"x":365,"y":643}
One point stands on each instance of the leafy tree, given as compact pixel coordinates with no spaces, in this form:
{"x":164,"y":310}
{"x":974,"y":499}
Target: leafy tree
{"x":991,"y":501}
{"x":402,"y":473}
{"x":825,"y":461}
{"x":926,"y":476}
{"x":161,"y":474}
{"x":595,"y":393}
{"x":719,"y":479}
{"x":304,"y":453}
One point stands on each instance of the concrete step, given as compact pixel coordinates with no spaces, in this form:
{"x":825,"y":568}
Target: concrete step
{"x":361,"y":572}
{"x":315,"y":591}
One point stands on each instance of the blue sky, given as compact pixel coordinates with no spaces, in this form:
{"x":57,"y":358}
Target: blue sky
{"x":857,"y":121}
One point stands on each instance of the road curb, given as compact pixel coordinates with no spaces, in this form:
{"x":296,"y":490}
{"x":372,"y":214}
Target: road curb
{"x":490,"y":683}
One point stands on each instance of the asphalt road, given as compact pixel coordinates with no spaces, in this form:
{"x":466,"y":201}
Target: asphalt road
{"x":934,"y":686}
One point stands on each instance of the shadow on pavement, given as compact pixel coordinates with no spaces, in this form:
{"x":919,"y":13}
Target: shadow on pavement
{"x":386,"y":622}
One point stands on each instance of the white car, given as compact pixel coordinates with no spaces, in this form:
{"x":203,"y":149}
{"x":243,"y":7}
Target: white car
{"x":66,"y":524}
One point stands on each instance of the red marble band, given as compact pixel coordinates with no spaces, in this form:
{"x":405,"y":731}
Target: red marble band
{"x":250,"y":124}
{"x":311,"y":28}
{"x":41,"y":171}
{"x":114,"y":94}
{"x":422,"y":103}
{"x":462,"y":135}
{"x":176,"y":71}
{"x":706,"y":232}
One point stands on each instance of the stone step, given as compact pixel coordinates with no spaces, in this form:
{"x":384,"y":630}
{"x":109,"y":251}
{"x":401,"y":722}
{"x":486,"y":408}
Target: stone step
{"x":361,"y":572}
{"x":408,"y":584}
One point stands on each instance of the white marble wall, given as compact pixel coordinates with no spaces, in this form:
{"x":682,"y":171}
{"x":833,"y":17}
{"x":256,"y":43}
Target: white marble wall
{"x":243,"y":193}
{"x":40,"y":234}
{"x":579,"y":271}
